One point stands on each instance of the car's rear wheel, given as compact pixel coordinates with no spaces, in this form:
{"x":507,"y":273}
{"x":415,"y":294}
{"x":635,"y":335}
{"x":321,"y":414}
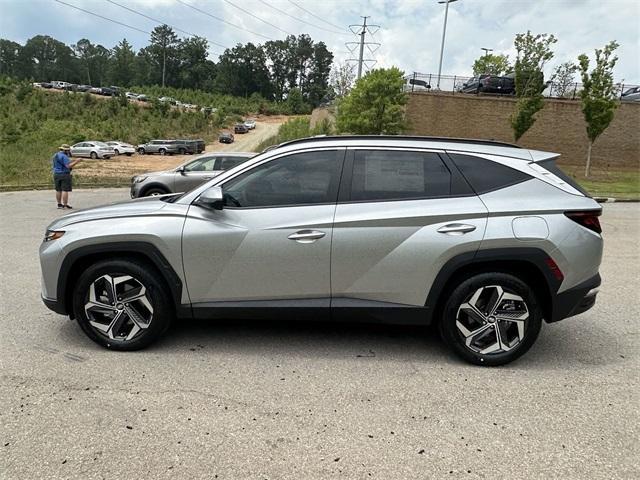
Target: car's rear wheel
{"x":128,"y":154}
{"x":182,"y":151}
{"x":116,"y":151}
{"x":93,"y":155}
{"x":141,"y":151}
{"x":121,"y":304}
{"x":491,"y":319}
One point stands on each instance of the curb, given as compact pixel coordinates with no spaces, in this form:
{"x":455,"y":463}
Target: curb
{"x":615,"y":200}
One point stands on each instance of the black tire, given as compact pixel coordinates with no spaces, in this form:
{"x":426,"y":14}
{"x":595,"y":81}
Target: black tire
{"x":141,"y":151}
{"x":463,"y":292}
{"x":154,"y":191}
{"x":156,"y":293}
{"x":128,"y":154}
{"x":116,"y":151}
{"x":93,"y":155}
{"x":162,"y":151}
{"x":182,"y":151}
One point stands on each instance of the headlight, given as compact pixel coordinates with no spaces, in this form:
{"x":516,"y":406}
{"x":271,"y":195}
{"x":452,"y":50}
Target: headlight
{"x":51,"y":235}
{"x":139,"y":179}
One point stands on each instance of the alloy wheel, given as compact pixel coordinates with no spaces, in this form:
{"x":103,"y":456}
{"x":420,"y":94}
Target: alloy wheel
{"x":118,"y":307}
{"x":492,"y":320}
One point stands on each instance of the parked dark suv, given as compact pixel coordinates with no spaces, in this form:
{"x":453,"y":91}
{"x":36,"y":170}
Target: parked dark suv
{"x":490,"y":84}
{"x":193,"y":145}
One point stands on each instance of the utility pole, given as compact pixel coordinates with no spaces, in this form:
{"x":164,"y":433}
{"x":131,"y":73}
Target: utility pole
{"x":444,"y":32}
{"x":361,"y":56}
{"x":486,"y":51}
{"x":362,"y":31}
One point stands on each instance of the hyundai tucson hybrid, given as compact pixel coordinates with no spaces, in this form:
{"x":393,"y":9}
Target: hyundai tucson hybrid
{"x":482,"y":239}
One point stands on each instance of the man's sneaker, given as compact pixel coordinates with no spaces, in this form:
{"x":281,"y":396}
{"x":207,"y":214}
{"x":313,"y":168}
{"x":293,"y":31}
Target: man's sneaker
{"x":67,"y":206}
{"x":60,"y":205}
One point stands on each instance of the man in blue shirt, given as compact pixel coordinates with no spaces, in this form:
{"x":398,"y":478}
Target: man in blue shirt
{"x":62,"y":166}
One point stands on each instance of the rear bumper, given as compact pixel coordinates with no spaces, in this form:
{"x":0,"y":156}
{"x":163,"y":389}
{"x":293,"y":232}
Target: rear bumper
{"x":576,"y":300}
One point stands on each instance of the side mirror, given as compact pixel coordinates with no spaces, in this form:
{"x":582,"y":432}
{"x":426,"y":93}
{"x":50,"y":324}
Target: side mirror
{"x":180,"y":169}
{"x":211,"y":198}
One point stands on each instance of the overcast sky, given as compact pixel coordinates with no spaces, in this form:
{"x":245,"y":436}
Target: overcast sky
{"x":410,"y":30}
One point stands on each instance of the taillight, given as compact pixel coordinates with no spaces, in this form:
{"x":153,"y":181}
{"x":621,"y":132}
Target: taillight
{"x":588,"y":219}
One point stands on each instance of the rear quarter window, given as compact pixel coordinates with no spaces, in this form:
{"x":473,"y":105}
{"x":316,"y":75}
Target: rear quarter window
{"x":485,"y":175}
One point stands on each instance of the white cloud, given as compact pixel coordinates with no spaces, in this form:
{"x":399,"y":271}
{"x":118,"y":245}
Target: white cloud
{"x":410,"y":34}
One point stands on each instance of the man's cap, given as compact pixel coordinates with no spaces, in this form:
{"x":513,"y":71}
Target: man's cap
{"x":64,"y":146}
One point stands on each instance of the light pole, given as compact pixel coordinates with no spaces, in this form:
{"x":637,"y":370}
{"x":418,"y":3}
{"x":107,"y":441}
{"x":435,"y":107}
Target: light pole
{"x":486,"y":51}
{"x":444,"y":31}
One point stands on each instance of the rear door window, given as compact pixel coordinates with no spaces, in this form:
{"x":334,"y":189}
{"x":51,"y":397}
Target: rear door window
{"x":398,"y":175}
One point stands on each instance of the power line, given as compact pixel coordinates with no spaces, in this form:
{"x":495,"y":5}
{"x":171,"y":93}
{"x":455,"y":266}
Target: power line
{"x":104,"y":18}
{"x":257,"y":18}
{"x":300,"y":19}
{"x":314,"y":15}
{"x":222,"y":20}
{"x":164,"y":23}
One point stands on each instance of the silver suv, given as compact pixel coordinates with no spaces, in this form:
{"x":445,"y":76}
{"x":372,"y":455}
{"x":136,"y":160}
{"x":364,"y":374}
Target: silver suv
{"x":163,"y":147}
{"x":483,"y":239}
{"x":188,"y":175}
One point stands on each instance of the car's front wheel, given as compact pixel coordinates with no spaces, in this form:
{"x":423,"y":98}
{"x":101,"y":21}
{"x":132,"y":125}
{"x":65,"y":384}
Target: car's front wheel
{"x":491,"y":319}
{"x":121,"y":304}
{"x":116,"y":151}
{"x":93,"y":155}
{"x":162,"y":151}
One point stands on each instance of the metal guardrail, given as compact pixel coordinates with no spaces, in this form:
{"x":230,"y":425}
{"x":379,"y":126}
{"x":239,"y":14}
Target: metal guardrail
{"x":426,"y":82}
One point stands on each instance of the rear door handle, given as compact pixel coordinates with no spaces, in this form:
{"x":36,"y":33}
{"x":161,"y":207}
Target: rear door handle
{"x":456,"y":229}
{"x":306,"y":236}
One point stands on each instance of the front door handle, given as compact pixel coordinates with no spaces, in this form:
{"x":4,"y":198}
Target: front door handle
{"x":456,"y":229}
{"x":306,"y":236}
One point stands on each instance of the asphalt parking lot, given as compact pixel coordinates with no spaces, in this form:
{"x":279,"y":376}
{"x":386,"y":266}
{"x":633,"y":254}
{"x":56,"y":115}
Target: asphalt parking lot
{"x":257,"y":400}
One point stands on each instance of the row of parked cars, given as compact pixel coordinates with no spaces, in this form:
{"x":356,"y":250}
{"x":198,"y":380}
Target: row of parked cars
{"x":101,"y":150}
{"x":114,"y":91}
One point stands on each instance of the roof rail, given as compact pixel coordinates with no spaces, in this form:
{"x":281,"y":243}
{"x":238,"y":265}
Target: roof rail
{"x":399,"y":137}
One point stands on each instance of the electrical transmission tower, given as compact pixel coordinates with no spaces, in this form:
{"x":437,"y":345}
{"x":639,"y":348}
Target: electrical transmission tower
{"x":362,"y":31}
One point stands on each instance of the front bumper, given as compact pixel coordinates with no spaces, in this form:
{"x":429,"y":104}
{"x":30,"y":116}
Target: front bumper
{"x":576,"y":300}
{"x":55,"y":306}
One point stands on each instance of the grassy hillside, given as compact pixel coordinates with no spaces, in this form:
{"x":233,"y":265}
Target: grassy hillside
{"x":299,"y":127}
{"x":33,"y":123}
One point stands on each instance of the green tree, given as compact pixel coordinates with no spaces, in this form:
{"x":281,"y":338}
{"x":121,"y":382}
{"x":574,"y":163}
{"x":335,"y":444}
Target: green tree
{"x":163,"y":50}
{"x":319,"y":74}
{"x":195,"y":69}
{"x":562,"y":78}
{"x":492,"y":64}
{"x":295,"y":102}
{"x":9,"y":55}
{"x":375,"y":105}
{"x":598,"y":94}
{"x":533,"y":52}
{"x":123,"y":64}
{"x":278,"y":52}
{"x":242,"y":71}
